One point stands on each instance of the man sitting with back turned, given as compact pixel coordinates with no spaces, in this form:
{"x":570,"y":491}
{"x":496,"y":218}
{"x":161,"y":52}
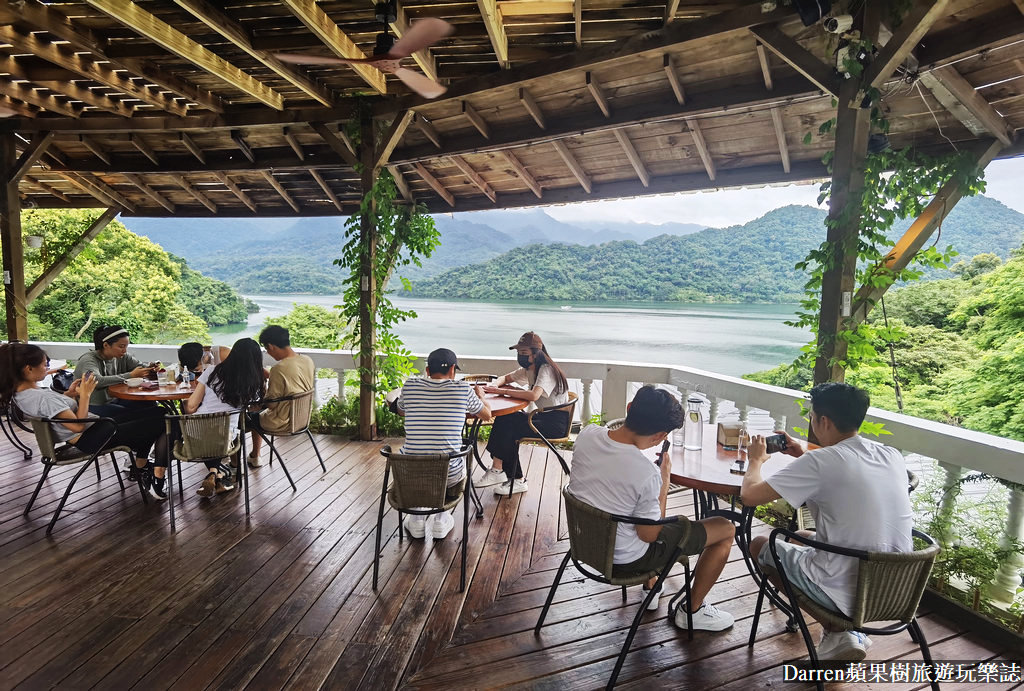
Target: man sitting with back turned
{"x":611,"y":473}
{"x":857,"y":492}
{"x":435,"y":408}
{"x":294,"y":373}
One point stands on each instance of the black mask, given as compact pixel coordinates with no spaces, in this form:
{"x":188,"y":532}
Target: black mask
{"x":523,"y":360}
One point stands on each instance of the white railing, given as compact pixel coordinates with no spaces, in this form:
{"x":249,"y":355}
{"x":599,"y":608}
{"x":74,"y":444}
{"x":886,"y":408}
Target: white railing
{"x":955,"y":448}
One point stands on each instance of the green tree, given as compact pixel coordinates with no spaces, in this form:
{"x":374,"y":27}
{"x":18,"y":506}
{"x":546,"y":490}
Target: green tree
{"x":312,"y":326}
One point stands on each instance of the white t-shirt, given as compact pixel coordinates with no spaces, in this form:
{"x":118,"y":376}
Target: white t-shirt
{"x":857,"y":492}
{"x":435,"y":411}
{"x":546,"y":380}
{"x":619,"y":479}
{"x":211,"y":403}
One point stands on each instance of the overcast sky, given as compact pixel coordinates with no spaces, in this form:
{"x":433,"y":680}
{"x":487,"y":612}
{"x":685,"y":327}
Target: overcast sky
{"x":1005,"y":181}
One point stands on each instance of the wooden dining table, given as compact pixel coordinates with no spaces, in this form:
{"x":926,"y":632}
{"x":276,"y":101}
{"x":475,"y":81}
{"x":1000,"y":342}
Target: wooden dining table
{"x":168,"y":395}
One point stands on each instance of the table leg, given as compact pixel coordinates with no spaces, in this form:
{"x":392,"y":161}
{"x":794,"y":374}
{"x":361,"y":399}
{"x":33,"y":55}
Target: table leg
{"x":474,"y":431}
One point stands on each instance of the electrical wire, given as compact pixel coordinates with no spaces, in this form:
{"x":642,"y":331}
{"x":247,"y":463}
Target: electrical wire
{"x":892,"y":360}
{"x":925,"y":101}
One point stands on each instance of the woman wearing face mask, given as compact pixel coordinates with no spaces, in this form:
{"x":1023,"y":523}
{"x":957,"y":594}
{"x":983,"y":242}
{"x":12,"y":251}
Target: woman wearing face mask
{"x":541,"y":382}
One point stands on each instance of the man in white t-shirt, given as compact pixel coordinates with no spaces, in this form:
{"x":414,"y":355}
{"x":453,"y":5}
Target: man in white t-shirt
{"x":435,"y":408}
{"x":611,"y":473}
{"x":856,"y":490}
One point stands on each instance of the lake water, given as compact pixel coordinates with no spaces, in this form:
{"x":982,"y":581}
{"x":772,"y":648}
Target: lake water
{"x":729,"y":339}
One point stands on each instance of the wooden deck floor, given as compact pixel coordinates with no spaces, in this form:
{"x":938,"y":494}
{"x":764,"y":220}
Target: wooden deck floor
{"x":113,"y":600}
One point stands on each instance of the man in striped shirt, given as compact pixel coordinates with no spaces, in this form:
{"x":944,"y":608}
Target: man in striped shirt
{"x":435,"y":408}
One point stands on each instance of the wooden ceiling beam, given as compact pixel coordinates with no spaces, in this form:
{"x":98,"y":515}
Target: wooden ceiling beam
{"x":163,"y":34}
{"x":964,"y":102}
{"x":634,"y":157}
{"x":192,"y":147}
{"x":98,"y":190}
{"x":905,"y":38}
{"x":269,"y":177}
{"x":669,"y":65}
{"x":235,"y":189}
{"x":594,"y":87}
{"x":531,"y":107}
{"x":60,"y":263}
{"x":733,"y":99}
{"x":243,"y":146}
{"x":992,"y":29}
{"x":656,"y":42}
{"x":289,"y":137}
{"x":702,"y":147}
{"x":766,"y":69}
{"x":196,"y":194}
{"x":780,"y":137}
{"x":476,"y":120}
{"x":402,"y":184}
{"x":388,"y":142}
{"x":435,"y":184}
{"x":324,"y":28}
{"x":67,"y":58}
{"x":221,"y":22}
{"x":139,"y":143}
{"x":523,"y":173}
{"x":28,"y":158}
{"x":94,"y":146}
{"x":50,"y":189}
{"x":495,"y":30}
{"x":10,"y":106}
{"x":428,"y":130}
{"x":150,"y":192}
{"x":671,"y":7}
{"x":83,"y":38}
{"x":89,"y":97}
{"x":339,"y":147}
{"x":574,"y":166}
{"x":327,"y":189}
{"x":474,"y":177}
{"x":798,"y":57}
{"x":1020,"y":5}
{"x":46,"y":101}
{"x":577,"y":20}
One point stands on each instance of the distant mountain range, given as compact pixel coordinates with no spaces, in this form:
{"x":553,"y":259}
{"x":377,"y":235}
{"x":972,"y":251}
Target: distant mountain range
{"x":265,"y":255}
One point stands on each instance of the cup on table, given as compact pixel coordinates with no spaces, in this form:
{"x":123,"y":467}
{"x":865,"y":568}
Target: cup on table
{"x":742,"y":442}
{"x":161,"y":377}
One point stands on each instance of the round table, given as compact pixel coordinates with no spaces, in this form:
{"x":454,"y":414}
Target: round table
{"x":499,"y":405}
{"x":167,"y":395}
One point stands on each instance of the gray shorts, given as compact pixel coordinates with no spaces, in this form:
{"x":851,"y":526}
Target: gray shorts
{"x":790,"y":554}
{"x":689,"y":535}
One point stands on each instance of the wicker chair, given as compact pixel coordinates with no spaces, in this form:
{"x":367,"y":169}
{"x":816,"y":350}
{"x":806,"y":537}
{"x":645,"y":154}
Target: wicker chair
{"x":889,"y":589}
{"x":206,"y":437}
{"x":53,"y":454}
{"x":592,"y":549}
{"x":10,"y":421}
{"x":300,"y":408}
{"x":570,"y":408}
{"x":421,"y":481}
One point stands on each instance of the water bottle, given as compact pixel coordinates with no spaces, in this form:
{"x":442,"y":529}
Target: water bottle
{"x":693,"y":424}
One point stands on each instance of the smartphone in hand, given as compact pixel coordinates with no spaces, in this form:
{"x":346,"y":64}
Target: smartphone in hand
{"x":661,"y":454}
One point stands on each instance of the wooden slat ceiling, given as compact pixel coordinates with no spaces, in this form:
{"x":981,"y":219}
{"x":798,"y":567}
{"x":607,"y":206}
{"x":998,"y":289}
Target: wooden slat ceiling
{"x":178,"y":107}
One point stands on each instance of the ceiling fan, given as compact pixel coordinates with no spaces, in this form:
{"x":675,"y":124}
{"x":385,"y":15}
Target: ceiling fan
{"x":388,"y":53}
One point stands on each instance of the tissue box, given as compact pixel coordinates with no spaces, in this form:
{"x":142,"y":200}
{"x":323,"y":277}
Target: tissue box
{"x":728,"y":434}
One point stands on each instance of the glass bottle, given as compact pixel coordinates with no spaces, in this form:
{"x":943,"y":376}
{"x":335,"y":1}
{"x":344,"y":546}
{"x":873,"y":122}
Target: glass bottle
{"x":693,"y":425}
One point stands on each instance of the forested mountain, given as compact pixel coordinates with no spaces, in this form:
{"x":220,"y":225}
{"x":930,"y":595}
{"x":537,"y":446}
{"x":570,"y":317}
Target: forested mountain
{"x":749,"y":263}
{"x":295,"y":255}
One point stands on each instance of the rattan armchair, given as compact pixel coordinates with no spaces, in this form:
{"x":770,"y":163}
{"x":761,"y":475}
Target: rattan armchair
{"x":202,"y":438}
{"x":569,"y":407}
{"x":889,"y":589}
{"x":11,"y":421}
{"x":418,"y":482}
{"x":300,"y":409}
{"x":592,"y":549}
{"x":52,"y":454}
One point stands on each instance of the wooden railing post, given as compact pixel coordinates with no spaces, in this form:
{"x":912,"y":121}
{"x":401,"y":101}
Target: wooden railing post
{"x":585,"y":413}
{"x":1004,"y":585}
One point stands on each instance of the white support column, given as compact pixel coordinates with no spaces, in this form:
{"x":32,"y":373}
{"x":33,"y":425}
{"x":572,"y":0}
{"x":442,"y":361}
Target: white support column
{"x":780,"y":422}
{"x":341,"y":384}
{"x":947,"y":504}
{"x":1003,"y":587}
{"x":613,"y":394}
{"x":585,"y":409}
{"x":744,"y":412}
{"x":713,"y":414}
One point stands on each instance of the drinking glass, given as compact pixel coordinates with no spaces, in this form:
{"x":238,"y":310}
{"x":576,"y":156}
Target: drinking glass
{"x":742,"y":442}
{"x":161,"y":377}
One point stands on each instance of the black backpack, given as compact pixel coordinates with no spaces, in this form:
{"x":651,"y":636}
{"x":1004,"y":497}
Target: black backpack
{"x":62,"y":380}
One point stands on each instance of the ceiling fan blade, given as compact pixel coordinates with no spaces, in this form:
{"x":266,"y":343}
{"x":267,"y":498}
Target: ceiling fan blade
{"x":304,"y":59}
{"x":424,"y":86}
{"x":422,"y":34}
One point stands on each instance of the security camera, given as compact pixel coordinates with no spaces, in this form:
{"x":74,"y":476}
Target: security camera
{"x":838,"y":24}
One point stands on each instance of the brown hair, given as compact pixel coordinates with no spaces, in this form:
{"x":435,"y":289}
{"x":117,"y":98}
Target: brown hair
{"x":15,"y":357}
{"x":532,"y":341}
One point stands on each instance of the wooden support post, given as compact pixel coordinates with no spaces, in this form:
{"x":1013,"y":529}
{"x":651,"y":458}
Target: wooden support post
{"x":13,"y":252}
{"x":367,"y":292}
{"x":838,"y":281}
{"x":53,"y":270}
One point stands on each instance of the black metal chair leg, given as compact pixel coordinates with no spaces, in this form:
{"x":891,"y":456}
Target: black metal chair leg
{"x":623,"y":593}
{"x":243,"y":465}
{"x":465,"y":535}
{"x":551,"y":596}
{"x":315,"y":448}
{"x":67,"y":493}
{"x":632,"y":632}
{"x":918,"y":635}
{"x":181,"y":486}
{"x":170,"y":487}
{"x":99,"y":478}
{"x":270,"y":443}
{"x":686,"y":600}
{"x":757,"y":613}
{"x":380,"y":524}
{"x":39,"y":486}
{"x":117,"y":473}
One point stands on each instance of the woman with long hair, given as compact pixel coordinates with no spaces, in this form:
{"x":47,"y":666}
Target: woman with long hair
{"x":234,"y":384}
{"x":23,"y":366}
{"x":539,"y":380}
{"x":110,"y":364}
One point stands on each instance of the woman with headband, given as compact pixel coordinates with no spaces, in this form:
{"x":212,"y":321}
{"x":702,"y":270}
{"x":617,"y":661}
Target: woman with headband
{"x":111,"y":364}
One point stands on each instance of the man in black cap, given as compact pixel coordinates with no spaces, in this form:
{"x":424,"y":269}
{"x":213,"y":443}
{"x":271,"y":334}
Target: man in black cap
{"x":435,"y":408}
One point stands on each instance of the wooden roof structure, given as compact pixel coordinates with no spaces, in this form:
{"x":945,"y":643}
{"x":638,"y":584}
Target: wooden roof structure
{"x":180,"y":108}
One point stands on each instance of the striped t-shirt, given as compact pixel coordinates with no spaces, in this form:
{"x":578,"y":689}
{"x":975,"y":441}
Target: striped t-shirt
{"x":435,"y":410}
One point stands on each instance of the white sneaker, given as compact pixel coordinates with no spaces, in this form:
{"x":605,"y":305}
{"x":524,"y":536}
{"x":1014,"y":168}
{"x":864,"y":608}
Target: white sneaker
{"x":253,"y":461}
{"x":490,"y":478}
{"x":652,"y":606}
{"x":518,"y":487}
{"x":849,"y":646}
{"x":707,"y":618}
{"x":441,"y":524}
{"x":416,"y":526}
